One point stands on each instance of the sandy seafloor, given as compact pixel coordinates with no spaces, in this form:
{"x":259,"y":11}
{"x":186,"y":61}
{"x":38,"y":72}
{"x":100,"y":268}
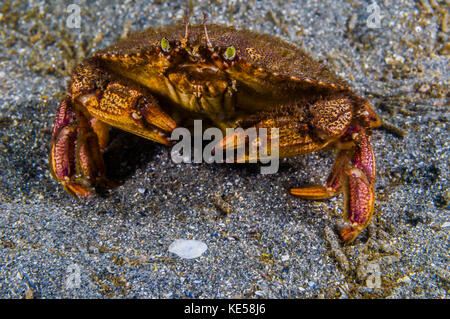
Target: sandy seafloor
{"x":270,"y":244}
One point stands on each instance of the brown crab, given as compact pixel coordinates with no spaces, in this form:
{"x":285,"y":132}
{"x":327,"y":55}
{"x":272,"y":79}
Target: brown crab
{"x":160,"y":79}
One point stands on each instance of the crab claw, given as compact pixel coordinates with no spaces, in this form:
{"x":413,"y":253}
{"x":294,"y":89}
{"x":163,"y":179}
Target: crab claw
{"x":75,"y":158}
{"x":290,"y":138}
{"x":359,"y":189}
{"x":354,"y":174}
{"x":359,"y":202}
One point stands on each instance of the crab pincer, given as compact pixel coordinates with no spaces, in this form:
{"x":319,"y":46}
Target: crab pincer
{"x":353,"y":174}
{"x":75,"y":158}
{"x":95,"y":101}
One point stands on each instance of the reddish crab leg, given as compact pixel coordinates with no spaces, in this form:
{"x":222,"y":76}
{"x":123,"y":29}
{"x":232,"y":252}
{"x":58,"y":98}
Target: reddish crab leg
{"x":81,"y":131}
{"x":75,"y":150}
{"x":359,"y":189}
{"x":354,"y":173}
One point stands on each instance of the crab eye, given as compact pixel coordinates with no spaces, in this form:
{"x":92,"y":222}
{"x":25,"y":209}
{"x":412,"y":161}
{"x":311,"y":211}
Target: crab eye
{"x":230,"y":53}
{"x":165,"y":45}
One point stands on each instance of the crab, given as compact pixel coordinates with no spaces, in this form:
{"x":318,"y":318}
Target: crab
{"x":157,"y":80}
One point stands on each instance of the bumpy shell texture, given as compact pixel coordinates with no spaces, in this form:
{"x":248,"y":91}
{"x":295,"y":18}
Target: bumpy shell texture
{"x":262,"y":51}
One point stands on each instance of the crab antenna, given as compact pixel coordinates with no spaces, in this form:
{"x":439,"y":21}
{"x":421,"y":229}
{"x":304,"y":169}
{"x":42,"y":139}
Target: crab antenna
{"x":208,"y":42}
{"x":186,"y":24}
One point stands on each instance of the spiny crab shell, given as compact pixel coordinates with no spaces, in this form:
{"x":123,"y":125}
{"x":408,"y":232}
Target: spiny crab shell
{"x":160,"y":79}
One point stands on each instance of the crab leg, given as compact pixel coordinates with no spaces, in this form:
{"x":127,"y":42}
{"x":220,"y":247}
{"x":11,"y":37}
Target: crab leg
{"x":333,"y":186}
{"x":293,"y":139}
{"x":121,"y":103}
{"x":81,"y":130}
{"x":359,"y":189}
{"x":354,"y":173}
{"x":75,"y":157}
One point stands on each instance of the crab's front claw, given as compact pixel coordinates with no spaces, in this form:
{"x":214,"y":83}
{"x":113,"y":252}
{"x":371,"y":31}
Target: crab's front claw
{"x":75,"y":158}
{"x":289,"y":138}
{"x":358,"y":184}
{"x":354,"y":174}
{"x":359,"y":197}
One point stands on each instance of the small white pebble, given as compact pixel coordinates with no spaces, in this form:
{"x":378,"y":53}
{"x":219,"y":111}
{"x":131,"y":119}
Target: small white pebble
{"x":399,"y":58}
{"x":445,"y":225}
{"x":405,"y":280}
{"x":188,"y":249}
